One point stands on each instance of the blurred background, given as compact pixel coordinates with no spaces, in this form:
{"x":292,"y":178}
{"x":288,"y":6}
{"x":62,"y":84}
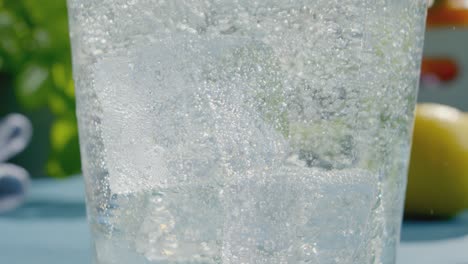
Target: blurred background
{"x":36,"y":81}
{"x":438,"y":174}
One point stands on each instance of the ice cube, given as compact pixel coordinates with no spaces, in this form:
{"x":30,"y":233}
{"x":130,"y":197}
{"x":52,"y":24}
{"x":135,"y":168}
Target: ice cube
{"x":182,"y":110}
{"x":299,"y":215}
{"x":134,"y":160}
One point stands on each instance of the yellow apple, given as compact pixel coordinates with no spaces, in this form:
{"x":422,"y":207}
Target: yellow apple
{"x":438,"y":173}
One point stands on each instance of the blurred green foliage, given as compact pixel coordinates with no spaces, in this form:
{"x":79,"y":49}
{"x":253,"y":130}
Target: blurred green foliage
{"x":35,"y":57}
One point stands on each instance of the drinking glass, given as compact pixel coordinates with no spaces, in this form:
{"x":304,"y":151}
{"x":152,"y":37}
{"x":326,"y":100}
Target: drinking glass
{"x":245,"y":131}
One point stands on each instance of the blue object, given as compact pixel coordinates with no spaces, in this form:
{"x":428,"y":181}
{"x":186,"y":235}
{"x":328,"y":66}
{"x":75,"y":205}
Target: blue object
{"x":10,"y":186}
{"x":15,"y":133}
{"x":14,"y":183}
{"x":50,"y":228}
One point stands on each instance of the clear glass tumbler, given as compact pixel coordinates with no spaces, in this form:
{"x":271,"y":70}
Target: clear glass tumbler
{"x":242,"y":131}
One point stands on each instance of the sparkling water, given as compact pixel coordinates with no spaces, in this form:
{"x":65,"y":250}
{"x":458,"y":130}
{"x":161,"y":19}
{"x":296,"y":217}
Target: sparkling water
{"x":235,"y":131}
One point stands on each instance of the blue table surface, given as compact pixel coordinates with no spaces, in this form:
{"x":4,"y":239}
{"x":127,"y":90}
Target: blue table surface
{"x":50,"y":228}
